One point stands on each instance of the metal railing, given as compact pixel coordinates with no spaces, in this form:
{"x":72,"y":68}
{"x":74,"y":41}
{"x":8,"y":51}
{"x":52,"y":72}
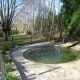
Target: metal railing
{"x":2,"y":67}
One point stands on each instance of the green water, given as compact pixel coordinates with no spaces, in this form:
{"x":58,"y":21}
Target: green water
{"x":51,"y":55}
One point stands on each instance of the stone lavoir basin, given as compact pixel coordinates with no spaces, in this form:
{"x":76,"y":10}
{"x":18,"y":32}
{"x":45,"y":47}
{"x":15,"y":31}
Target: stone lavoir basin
{"x":53,"y":62}
{"x":52,"y":54}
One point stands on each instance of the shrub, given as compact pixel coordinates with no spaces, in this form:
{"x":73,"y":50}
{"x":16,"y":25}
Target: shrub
{"x":9,"y":69}
{"x":18,"y":44}
{"x":5,"y":48}
{"x":7,"y":60}
{"x":4,"y":52}
{"x":11,"y":77}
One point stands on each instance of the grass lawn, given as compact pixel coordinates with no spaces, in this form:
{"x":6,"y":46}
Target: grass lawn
{"x":20,"y":39}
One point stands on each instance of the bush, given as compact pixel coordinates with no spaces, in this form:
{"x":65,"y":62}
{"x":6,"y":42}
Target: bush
{"x":7,"y":60}
{"x":18,"y":44}
{"x":9,"y":69}
{"x":13,"y":32}
{"x":10,"y":77}
{"x":4,"y":52}
{"x":5,"y":48}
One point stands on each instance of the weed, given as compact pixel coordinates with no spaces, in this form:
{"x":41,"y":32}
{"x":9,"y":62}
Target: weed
{"x":7,"y":60}
{"x":9,"y":69}
{"x":18,"y":44}
{"x":5,"y":48}
{"x":11,"y":77}
{"x":3,"y":52}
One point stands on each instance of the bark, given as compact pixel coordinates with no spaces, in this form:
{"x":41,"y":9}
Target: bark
{"x":70,"y":32}
{"x":6,"y":32}
{"x":5,"y":35}
{"x":7,"y":8}
{"x":61,"y":33}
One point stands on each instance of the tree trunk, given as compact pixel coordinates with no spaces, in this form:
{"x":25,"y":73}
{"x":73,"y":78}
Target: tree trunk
{"x":61,"y":33}
{"x":70,"y":32}
{"x":6,"y":36}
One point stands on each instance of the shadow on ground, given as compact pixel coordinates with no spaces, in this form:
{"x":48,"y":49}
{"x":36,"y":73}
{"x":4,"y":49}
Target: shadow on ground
{"x":23,"y":71}
{"x":74,"y":44}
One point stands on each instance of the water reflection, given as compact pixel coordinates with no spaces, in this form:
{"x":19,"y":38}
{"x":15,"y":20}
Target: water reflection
{"x":57,"y":55}
{"x":51,"y":55}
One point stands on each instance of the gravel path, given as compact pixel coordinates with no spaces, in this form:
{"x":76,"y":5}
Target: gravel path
{"x":37,"y":71}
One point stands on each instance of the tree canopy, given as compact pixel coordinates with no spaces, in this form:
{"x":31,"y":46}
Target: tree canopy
{"x":7,"y":14}
{"x":71,"y":16}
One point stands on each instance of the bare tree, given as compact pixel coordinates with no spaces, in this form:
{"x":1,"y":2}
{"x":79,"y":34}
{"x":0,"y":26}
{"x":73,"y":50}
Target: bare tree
{"x":52,"y":9}
{"x":8,"y":10}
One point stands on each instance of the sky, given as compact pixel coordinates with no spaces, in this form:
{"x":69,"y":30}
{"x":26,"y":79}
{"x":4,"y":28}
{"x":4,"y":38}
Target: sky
{"x":57,"y":8}
{"x":47,"y":3}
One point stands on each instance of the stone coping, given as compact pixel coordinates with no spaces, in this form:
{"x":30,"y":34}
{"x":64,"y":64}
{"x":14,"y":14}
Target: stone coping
{"x":38,"y":71}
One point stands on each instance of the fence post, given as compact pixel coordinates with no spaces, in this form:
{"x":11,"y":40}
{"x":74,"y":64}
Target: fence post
{"x":2,"y":67}
{"x":31,"y":37}
{"x":12,"y":40}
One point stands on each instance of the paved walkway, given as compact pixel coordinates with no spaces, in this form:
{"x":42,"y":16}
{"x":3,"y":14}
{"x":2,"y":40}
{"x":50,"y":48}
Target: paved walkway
{"x":38,"y":71}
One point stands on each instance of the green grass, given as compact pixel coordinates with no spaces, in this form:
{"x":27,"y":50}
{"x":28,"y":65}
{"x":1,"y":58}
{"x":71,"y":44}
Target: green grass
{"x":18,"y":39}
{"x":1,"y":39}
{"x":7,"y":59}
{"x":11,"y":77}
{"x":9,"y":69}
